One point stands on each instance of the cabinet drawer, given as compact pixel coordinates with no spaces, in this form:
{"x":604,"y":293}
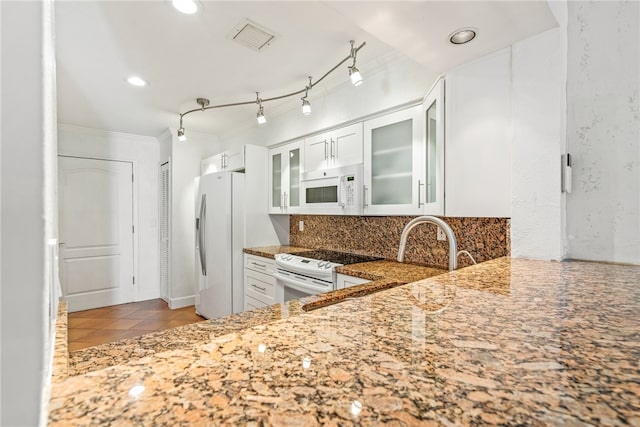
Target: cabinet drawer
{"x":258,"y":263}
{"x":252,"y":303}
{"x":260,"y":286}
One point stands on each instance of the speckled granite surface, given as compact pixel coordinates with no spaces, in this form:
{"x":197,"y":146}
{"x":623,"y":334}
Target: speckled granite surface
{"x":384,"y":269}
{"x":506,"y":342}
{"x":61,"y":346}
{"x":484,"y":238}
{"x":271,"y":251}
{"x":385,"y":274}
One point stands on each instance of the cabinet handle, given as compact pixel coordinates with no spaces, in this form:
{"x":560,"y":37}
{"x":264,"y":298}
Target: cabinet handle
{"x":224,"y":161}
{"x":258,"y":287}
{"x":420,"y":184}
{"x":365,"y":190}
{"x":325,"y":150}
{"x":333,"y":156}
{"x":285,"y":201}
{"x":281,"y":202}
{"x":259,"y":265}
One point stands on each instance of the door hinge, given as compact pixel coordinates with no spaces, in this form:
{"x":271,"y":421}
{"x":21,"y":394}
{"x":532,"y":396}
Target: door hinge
{"x":133,"y":229}
{"x":134,"y":280}
{"x":131,"y":177}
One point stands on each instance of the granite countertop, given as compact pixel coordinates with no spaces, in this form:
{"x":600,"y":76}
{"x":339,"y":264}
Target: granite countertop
{"x":508,"y":341}
{"x":386,"y":269}
{"x":272,"y":251}
{"x":384,"y":275}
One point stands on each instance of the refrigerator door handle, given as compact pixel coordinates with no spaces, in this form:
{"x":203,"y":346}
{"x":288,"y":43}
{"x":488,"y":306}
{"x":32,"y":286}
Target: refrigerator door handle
{"x":201,"y":235}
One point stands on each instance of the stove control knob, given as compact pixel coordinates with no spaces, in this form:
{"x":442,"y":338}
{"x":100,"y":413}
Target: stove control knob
{"x":327,"y":266}
{"x":321,"y":264}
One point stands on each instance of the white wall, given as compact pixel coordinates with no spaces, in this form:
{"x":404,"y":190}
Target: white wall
{"x":396,"y":81}
{"x":185,"y":166}
{"x":478,"y":115}
{"x":603,"y":130}
{"x":538,"y":141}
{"x":27,"y":180}
{"x":143,"y":151}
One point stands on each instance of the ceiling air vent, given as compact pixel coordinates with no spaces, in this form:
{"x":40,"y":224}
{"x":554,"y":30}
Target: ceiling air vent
{"x":250,"y":35}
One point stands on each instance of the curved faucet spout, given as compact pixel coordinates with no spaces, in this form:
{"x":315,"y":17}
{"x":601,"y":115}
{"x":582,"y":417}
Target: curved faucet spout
{"x":451,"y":238}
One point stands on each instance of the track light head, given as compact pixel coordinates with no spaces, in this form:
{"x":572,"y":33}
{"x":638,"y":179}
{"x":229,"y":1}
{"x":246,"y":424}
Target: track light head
{"x":181,"y":136}
{"x":356,"y":77}
{"x":260,"y":116}
{"x":306,"y":106}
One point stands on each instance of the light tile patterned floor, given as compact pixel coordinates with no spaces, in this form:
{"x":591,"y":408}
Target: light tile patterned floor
{"x":101,"y":325}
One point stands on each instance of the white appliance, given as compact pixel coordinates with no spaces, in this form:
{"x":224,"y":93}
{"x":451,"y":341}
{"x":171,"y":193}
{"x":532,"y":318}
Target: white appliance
{"x":311,"y":272}
{"x":220,"y":238}
{"x":336,"y":191}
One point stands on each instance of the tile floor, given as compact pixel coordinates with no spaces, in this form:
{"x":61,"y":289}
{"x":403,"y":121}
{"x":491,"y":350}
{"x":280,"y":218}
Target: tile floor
{"x":101,"y":325}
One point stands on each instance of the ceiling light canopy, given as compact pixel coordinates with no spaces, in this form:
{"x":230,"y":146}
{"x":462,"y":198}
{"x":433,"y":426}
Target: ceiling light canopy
{"x":462,"y":36}
{"x":354,"y":74}
{"x":137,"y":81}
{"x":188,"y":7}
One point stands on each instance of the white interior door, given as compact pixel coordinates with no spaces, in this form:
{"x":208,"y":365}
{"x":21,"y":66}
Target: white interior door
{"x":95,"y":203}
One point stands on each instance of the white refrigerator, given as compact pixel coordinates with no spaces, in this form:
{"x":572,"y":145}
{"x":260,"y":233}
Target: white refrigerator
{"x":220,"y":238}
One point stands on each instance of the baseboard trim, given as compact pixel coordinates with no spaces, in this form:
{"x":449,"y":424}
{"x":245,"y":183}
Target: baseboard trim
{"x":182,"y":302}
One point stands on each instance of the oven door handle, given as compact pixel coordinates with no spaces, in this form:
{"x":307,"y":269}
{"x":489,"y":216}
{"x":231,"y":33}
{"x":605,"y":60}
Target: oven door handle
{"x":303,"y":287}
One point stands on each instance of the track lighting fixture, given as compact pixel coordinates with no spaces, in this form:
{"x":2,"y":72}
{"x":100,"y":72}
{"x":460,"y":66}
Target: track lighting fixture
{"x":354,"y":74}
{"x":181,"y":136}
{"x":261,"y":118}
{"x":306,"y":105}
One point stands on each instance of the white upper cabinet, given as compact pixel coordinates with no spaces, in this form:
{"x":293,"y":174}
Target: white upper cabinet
{"x":478,"y":124}
{"x":285,"y":168}
{"x":432,"y":191}
{"x":393,"y":163}
{"x":339,"y":147}
{"x":230,"y":160}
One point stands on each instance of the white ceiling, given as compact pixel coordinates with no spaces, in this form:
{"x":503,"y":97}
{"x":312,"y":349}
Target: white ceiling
{"x":100,"y":44}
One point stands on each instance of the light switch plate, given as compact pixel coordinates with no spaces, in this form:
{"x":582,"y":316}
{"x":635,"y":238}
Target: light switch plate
{"x":301,"y":226}
{"x":441,"y":235}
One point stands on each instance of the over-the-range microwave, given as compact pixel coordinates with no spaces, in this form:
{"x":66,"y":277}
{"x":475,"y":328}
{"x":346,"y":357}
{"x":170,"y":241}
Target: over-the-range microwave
{"x":337,"y":191}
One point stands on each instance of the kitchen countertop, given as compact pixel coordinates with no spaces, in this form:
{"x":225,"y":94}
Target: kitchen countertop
{"x":384,"y":275}
{"x":272,"y":251}
{"x":508,"y":341}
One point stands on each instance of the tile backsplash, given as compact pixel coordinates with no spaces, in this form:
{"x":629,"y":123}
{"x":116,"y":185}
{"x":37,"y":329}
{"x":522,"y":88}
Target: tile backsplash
{"x":484,"y":238}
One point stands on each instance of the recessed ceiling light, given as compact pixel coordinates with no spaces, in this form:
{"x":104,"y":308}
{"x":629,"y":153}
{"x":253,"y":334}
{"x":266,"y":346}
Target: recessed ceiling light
{"x":462,"y":36}
{"x":185,"y":6}
{"x":137,"y":81}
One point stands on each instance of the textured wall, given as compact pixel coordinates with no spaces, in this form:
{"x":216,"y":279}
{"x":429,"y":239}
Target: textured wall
{"x":537,"y":203}
{"x":484,"y":238}
{"x":603,"y":130}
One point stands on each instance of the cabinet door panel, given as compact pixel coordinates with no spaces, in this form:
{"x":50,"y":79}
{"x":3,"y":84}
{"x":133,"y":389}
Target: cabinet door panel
{"x":233,"y":160}
{"x":433,"y":115}
{"x":275,"y":181}
{"x":316,"y":152}
{"x":393,"y":163}
{"x":346,"y":145}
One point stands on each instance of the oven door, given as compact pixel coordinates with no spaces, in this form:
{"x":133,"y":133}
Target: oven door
{"x":291,"y":286}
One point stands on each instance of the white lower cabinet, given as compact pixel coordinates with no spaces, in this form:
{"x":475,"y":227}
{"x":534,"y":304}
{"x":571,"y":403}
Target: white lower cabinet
{"x":259,"y":283}
{"x":344,"y":281}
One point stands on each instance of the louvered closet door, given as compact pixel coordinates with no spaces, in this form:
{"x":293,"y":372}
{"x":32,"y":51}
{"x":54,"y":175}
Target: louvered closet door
{"x":164,"y":229}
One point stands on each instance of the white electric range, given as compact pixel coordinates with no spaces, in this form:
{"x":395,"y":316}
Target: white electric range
{"x":311,"y":272}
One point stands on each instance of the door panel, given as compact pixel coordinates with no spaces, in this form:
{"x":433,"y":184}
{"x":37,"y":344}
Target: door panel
{"x":95,"y":205}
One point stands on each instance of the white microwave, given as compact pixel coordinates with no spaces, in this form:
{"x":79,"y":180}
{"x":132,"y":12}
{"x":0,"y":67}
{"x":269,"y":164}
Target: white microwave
{"x":337,"y":191}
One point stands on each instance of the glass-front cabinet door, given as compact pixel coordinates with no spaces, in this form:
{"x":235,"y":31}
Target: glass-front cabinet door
{"x":433,"y":116}
{"x":393,"y":153}
{"x":285,"y":169}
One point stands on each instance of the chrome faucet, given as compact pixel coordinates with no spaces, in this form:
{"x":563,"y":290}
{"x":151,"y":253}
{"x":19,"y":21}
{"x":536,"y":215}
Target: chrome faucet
{"x":453,"y":256}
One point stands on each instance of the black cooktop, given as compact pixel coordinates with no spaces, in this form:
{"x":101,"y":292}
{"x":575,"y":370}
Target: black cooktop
{"x":343,"y":258}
